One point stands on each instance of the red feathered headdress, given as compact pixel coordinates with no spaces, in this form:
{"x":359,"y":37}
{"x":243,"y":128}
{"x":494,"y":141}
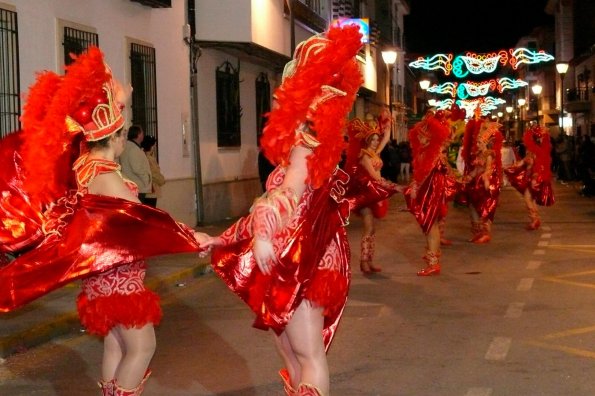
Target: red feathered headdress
{"x":82,"y":100}
{"x":319,"y":86}
{"x":427,"y":138}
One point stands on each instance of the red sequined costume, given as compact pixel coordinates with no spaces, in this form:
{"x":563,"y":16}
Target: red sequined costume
{"x":433,"y":179}
{"x":486,"y":164}
{"x":533,"y":172}
{"x":59,"y":235}
{"x":117,"y":296}
{"x":434,"y":182}
{"x":307,"y":232}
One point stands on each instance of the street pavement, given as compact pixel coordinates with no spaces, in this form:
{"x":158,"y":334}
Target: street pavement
{"x":512,"y":317}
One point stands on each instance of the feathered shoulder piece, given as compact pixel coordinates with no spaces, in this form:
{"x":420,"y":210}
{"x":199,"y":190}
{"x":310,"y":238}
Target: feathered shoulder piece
{"x":470,"y":139}
{"x":427,"y":138}
{"x":320,"y":82}
{"x":47,"y":144}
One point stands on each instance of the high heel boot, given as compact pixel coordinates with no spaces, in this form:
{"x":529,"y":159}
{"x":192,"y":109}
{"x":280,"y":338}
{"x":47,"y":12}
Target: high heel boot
{"x":432,"y":264}
{"x":372,"y":242}
{"x":365,"y":256}
{"x":475,"y":231}
{"x":289,"y":390}
{"x":119,"y":391}
{"x":534,"y":221}
{"x":107,"y":387}
{"x":308,"y":390}
{"x":443,"y":240}
{"x":485,"y":234}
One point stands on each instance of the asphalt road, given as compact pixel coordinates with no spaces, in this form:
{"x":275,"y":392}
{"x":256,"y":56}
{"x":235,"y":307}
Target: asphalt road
{"x":513,"y":317}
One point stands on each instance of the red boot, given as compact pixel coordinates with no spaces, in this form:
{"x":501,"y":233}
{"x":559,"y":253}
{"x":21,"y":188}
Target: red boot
{"x":289,"y":390}
{"x":534,"y":221}
{"x":433,"y":264}
{"x":118,"y":391}
{"x":485,"y":234}
{"x":107,"y":387}
{"x":475,"y":231}
{"x":308,"y":390}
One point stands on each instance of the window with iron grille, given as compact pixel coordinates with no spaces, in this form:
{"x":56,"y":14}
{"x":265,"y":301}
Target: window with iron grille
{"x":144,"y":88}
{"x":263,"y":103}
{"x":229,"y":111}
{"x":10,"y":103}
{"x":77,"y":41}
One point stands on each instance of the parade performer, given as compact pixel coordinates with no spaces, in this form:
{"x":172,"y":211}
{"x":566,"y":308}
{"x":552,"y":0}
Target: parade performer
{"x":484,"y":179}
{"x":88,"y":225}
{"x":455,"y":117}
{"x":532,"y":175}
{"x":289,"y":258}
{"x":434,"y":183}
{"x":368,"y":191}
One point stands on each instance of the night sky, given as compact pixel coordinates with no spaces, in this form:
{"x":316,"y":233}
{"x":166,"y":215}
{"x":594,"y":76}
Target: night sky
{"x":458,"y":26}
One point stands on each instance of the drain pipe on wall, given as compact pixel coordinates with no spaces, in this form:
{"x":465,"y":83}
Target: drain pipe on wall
{"x":194,"y":53}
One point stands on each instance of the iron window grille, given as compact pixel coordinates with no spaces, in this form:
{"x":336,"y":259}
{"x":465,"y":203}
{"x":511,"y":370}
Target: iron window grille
{"x":10,"y":102}
{"x":263,"y":103}
{"x":144,"y":88}
{"x":76,"y":42}
{"x":229,"y":111}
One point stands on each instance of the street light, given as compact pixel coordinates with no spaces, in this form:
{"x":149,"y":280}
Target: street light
{"x":509,"y":110}
{"x":424,"y":85}
{"x":537,"y":88}
{"x":562,"y":68}
{"x":389,"y":57}
{"x":521,"y":102}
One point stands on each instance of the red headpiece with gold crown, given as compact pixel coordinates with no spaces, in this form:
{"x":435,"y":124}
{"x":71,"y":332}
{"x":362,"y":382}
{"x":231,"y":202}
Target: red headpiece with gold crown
{"x":85,"y":99}
{"x":318,"y":88}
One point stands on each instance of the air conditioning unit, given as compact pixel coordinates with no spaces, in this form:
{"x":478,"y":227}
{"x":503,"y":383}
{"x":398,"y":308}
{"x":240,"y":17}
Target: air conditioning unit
{"x":154,"y":3}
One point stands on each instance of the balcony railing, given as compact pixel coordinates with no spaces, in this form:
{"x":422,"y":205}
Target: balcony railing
{"x":578,"y":94}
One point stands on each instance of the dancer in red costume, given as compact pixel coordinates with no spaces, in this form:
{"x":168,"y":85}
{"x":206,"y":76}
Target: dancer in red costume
{"x":433,"y":184}
{"x":98,"y":232}
{"x":289,"y":259}
{"x":484,"y":177}
{"x":532,"y":176}
{"x":368,"y":191}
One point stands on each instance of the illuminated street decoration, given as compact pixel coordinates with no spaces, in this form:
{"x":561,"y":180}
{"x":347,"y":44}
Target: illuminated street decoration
{"x":448,"y":88}
{"x":475,"y":89}
{"x":435,"y":62}
{"x":486,"y":104}
{"x":524,"y":55}
{"x":474,"y":63}
{"x":505,"y":83}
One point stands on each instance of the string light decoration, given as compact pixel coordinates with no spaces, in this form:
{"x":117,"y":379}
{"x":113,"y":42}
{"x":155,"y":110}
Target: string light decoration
{"x":486,"y":104}
{"x":475,"y":63}
{"x":474,"y":89}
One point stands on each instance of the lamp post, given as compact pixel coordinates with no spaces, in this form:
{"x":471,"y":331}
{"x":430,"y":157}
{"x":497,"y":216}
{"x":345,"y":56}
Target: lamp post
{"x":508,"y":112}
{"x":562,"y":68}
{"x":537,"y":88}
{"x":424,"y":84}
{"x":389,"y":57}
{"x":521,"y":102}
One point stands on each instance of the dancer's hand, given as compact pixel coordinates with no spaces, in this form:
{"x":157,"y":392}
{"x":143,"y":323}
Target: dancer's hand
{"x":264,"y":254}
{"x":207,"y":243}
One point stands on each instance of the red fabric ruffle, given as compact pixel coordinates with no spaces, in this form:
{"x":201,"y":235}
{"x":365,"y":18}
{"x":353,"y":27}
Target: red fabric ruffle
{"x":99,"y":315}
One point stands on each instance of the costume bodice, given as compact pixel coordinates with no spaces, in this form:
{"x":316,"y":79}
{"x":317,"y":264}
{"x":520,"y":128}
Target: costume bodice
{"x":86,"y":169}
{"x":376,"y":161}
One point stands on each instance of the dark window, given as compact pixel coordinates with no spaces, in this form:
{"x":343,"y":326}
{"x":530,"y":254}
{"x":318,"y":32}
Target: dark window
{"x":144,"y":88}
{"x":229,"y":111}
{"x":263,"y":103}
{"x":76,"y":42}
{"x":10,"y":102}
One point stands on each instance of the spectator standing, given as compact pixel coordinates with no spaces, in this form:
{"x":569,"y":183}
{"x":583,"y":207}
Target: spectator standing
{"x":405,"y":156}
{"x":134,"y":162}
{"x":157,"y":178}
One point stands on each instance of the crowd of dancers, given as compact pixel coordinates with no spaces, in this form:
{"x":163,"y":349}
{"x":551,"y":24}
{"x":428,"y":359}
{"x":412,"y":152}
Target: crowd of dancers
{"x":67,"y":212}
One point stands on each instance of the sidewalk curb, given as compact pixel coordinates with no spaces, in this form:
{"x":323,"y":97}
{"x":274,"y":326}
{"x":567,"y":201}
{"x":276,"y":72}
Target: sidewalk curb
{"x":68,"y":323}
